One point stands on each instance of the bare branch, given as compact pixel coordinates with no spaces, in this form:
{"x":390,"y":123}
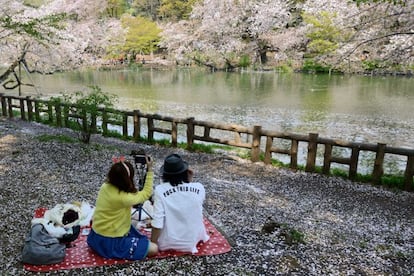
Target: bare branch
{"x":11,"y":68}
{"x":375,"y":39}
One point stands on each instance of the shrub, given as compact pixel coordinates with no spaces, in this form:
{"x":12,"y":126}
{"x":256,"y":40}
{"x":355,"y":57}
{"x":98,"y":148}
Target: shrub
{"x":88,"y":104}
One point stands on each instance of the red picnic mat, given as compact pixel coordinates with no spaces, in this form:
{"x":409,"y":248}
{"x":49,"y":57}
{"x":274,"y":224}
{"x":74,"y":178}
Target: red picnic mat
{"x":79,"y":254}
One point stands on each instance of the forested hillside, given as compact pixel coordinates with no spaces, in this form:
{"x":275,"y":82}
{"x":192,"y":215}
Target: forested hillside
{"x":336,"y":35}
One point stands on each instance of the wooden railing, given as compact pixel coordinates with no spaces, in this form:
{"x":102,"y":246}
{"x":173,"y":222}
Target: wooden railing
{"x":255,"y":139}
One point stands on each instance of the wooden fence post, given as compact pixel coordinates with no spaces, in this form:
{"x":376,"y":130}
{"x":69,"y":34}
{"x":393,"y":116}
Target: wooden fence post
{"x":150,"y":125}
{"x":190,"y":132}
{"x":237,"y":137}
{"x":3,"y":104}
{"x":84,"y":121}
{"x":29,"y":108}
{"x":37,"y":112}
{"x":125,"y":125}
{"x":353,"y":166}
{"x":409,"y":173}
{"x":94,"y":125}
{"x":206,"y":133}
{"x":255,"y":151}
{"x":378,"y":164}
{"x":294,"y":154}
{"x":174,"y":133}
{"x":66,"y":115}
{"x":22,"y":110}
{"x":104,"y":122}
{"x":268,"y":152}
{"x":137,"y":126}
{"x":327,"y":159}
{"x":58,"y":111}
{"x":312,"y":149}
{"x":10,"y":107}
{"x":50,"y":112}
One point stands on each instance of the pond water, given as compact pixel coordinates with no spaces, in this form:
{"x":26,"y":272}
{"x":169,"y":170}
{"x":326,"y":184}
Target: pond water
{"x":351,"y":108}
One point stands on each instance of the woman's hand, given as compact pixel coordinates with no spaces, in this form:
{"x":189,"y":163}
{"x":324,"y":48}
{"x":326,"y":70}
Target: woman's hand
{"x":149,"y":162}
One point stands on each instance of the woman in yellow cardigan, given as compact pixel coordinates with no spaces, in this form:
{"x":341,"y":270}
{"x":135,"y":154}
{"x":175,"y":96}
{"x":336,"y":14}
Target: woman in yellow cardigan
{"x":112,"y":235}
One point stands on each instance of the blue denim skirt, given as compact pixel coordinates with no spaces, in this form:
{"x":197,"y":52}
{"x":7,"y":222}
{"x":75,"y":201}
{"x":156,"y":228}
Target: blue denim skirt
{"x":133,"y":246}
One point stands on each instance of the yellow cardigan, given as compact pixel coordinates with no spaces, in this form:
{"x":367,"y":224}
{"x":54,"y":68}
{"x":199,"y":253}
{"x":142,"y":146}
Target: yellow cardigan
{"x":112,"y":215}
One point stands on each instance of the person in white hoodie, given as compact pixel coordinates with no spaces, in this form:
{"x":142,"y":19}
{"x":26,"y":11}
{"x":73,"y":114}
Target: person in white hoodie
{"x":177,"y":222}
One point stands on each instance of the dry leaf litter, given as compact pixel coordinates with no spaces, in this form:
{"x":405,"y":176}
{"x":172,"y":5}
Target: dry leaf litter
{"x":279,"y":222}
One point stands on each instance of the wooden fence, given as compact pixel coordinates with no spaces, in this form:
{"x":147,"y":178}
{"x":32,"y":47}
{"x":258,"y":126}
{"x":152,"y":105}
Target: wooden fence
{"x":255,"y":139}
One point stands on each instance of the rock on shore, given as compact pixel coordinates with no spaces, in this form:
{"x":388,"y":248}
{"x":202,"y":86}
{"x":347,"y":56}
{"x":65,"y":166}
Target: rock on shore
{"x":279,"y":222}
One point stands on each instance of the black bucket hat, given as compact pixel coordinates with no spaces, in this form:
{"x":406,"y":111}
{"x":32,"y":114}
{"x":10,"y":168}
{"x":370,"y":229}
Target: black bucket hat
{"x":174,"y":164}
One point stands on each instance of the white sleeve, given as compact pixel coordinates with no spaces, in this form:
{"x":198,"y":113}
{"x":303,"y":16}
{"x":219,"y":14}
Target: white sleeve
{"x":159,"y":212}
{"x":203,"y":191}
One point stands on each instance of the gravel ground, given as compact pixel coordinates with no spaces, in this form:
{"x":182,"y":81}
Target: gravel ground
{"x":279,"y":222}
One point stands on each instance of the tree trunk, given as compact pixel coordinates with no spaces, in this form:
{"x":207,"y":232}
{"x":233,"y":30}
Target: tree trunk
{"x":10,"y":70}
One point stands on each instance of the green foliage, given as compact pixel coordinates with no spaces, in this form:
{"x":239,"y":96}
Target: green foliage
{"x":371,"y":65}
{"x":163,"y":142}
{"x":34,"y":3}
{"x":311,"y":66}
{"x":296,"y":236}
{"x":339,"y":173}
{"x":278,"y":163}
{"x":364,"y":178}
{"x":321,"y":46}
{"x":146,"y":8}
{"x":113,"y":133}
{"x":175,"y":10}
{"x":202,"y":148}
{"x":324,"y":35}
{"x":41,"y":29}
{"x":393,"y":181}
{"x":135,"y":66}
{"x":291,"y":235}
{"x":284,"y":68}
{"x":116,"y":8}
{"x":74,"y":124}
{"x":90,"y":105}
{"x":142,"y":35}
{"x":244,"y":61}
{"x":169,"y":10}
{"x":92,"y":101}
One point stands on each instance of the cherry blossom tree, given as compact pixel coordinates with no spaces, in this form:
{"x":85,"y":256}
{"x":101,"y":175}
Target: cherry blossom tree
{"x":47,"y":41}
{"x":384,"y":34}
{"x":18,"y":32}
{"x":361,"y":35}
{"x":374,"y":35}
{"x":221,"y":34}
{"x":87,"y":33}
{"x":218,"y":32}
